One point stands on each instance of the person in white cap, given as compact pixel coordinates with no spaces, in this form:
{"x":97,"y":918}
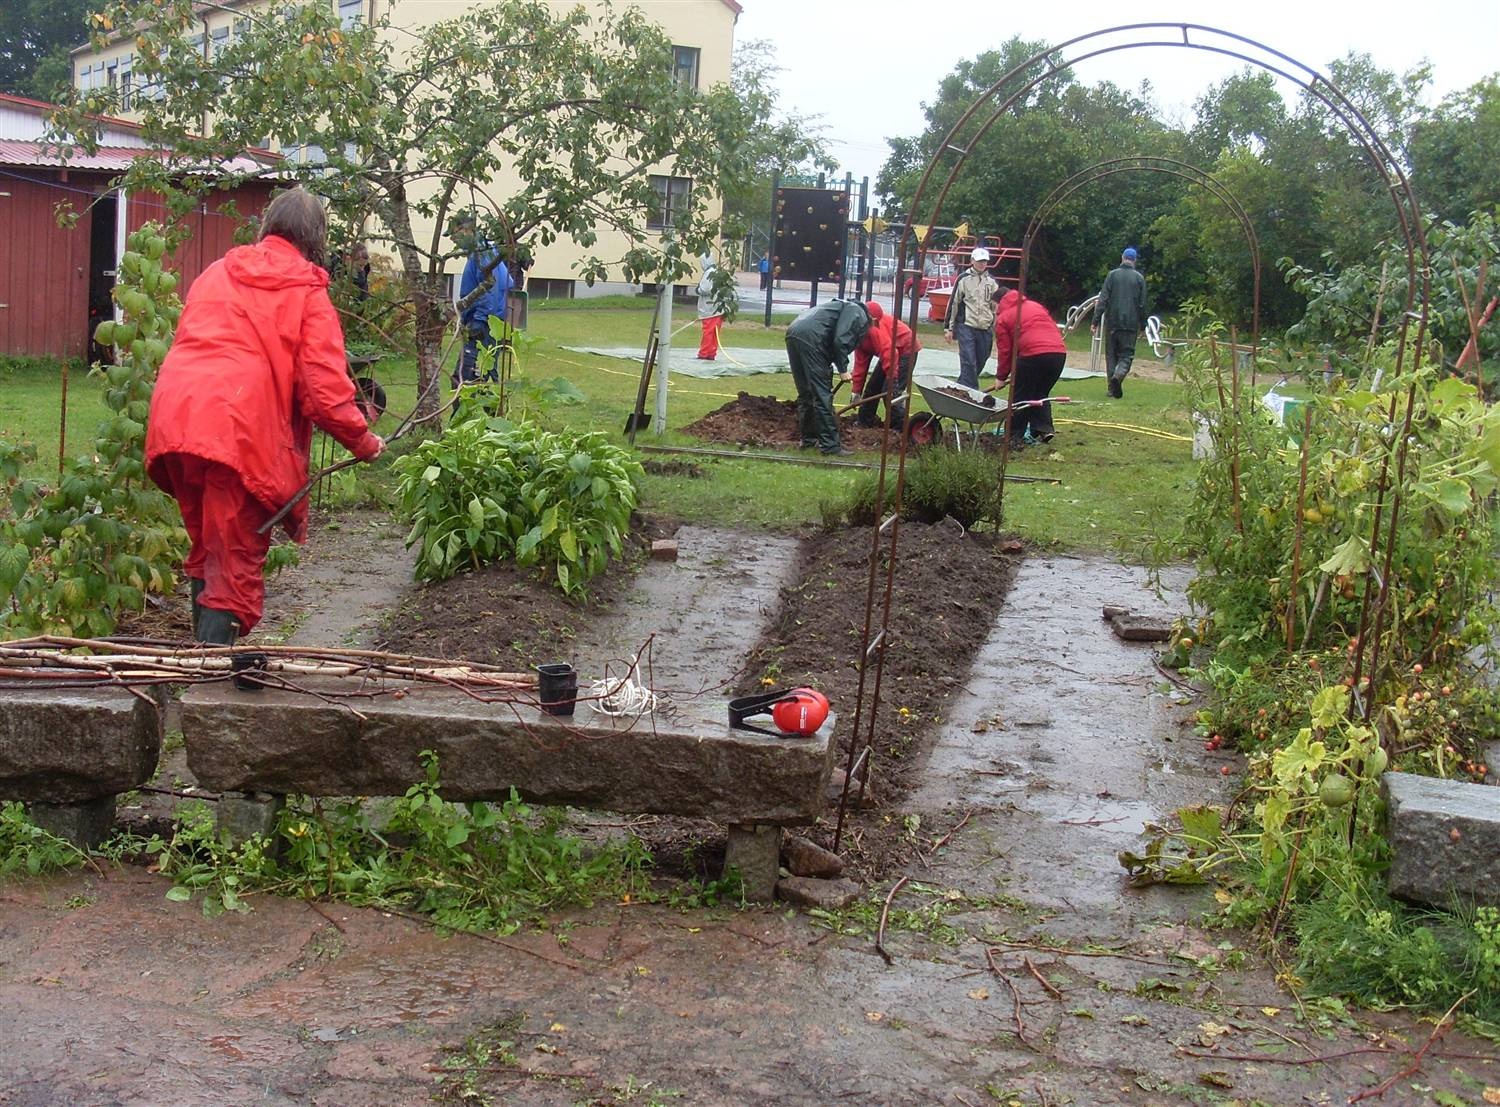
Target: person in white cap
{"x":971,"y":317}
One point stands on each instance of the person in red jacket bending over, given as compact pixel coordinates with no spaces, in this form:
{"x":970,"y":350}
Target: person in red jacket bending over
{"x":892,"y":346}
{"x":257,"y":361}
{"x":1039,"y":355}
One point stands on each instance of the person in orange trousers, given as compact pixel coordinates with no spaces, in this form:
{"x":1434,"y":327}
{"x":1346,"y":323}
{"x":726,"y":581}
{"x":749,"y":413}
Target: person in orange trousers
{"x":717,"y":301}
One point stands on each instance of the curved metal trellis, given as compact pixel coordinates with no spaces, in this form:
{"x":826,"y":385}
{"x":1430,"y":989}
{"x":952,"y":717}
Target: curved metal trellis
{"x":962,"y":138}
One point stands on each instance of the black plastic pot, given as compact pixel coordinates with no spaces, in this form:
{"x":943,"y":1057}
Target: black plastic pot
{"x":557,"y":688}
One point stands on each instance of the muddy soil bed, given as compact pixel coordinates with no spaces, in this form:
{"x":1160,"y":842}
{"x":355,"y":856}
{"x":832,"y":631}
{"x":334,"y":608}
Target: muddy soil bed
{"x":765,"y":421}
{"x":949,"y":586}
{"x":501,"y":614}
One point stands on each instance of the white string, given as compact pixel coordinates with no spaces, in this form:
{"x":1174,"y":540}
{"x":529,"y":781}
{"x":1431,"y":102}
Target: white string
{"x":624,"y":696}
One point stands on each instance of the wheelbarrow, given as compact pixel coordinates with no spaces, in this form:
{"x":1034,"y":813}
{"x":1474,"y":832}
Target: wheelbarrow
{"x":958,"y":402}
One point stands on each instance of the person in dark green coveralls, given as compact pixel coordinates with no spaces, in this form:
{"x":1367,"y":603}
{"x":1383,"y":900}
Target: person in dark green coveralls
{"x":818,"y":344}
{"x":1121,"y":313}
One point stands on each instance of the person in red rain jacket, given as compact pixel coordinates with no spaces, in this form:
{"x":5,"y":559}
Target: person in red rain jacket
{"x":892,"y":346}
{"x":1040,"y":356}
{"x":257,"y":361}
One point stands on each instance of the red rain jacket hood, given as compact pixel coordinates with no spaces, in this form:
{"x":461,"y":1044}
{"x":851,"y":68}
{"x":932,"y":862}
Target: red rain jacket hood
{"x":1039,"y":333}
{"x":887,"y":341}
{"x":257,"y":360}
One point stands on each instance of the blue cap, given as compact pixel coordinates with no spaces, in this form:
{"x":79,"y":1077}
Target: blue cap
{"x":1129,"y":253}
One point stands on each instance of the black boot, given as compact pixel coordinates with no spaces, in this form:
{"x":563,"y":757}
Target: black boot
{"x":195,"y":589}
{"x":215,"y":627}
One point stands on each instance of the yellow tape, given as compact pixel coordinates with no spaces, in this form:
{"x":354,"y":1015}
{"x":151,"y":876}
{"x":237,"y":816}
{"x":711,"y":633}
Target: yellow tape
{"x":1152,"y":431}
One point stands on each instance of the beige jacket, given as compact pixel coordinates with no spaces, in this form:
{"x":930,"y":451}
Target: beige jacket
{"x":976,"y":293}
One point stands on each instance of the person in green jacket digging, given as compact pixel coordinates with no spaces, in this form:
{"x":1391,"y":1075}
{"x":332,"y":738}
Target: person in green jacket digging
{"x":818,"y":344}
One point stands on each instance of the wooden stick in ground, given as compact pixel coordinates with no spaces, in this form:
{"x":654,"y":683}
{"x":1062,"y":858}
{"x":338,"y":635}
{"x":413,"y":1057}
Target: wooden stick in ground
{"x":1291,"y":596}
{"x":885,"y":911}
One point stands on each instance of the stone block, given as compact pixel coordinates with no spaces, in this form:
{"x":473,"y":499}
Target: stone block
{"x":243,"y":815}
{"x":755,"y":852}
{"x":807,"y":891}
{"x":856,"y":801}
{"x":664,"y":549}
{"x":70,"y":746}
{"x":686,"y":762}
{"x":805,"y":858}
{"x":86,"y":824}
{"x":1445,"y":840}
{"x":1142,"y":628}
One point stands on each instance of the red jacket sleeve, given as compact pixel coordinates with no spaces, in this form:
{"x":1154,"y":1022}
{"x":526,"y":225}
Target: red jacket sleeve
{"x":325,"y":393}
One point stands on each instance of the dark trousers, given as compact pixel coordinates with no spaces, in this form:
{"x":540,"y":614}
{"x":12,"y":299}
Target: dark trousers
{"x":1035,"y":377}
{"x":875,"y":384}
{"x":1119,"y":352}
{"x":974,"y":346}
{"x":812,"y":373}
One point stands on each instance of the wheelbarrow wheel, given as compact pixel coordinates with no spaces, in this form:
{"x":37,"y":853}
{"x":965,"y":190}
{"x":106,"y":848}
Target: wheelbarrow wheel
{"x":923,"y":429}
{"x":369,"y":397}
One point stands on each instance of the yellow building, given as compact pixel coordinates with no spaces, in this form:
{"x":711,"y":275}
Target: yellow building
{"x":702,"y":33}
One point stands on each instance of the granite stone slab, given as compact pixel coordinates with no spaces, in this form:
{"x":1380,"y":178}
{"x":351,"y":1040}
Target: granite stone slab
{"x":75,"y":745}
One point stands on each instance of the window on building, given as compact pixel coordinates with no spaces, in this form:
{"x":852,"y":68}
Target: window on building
{"x":196,"y":42}
{"x":220,"y":37}
{"x":125,"y":88}
{"x":241,"y":26}
{"x":685,"y":65}
{"x":671,"y":200}
{"x":351,"y":12}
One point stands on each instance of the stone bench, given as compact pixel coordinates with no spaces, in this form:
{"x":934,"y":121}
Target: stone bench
{"x":258,"y":746}
{"x":1445,"y":840}
{"x":67,"y":754}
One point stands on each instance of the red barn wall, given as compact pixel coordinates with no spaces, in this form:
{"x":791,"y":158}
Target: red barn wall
{"x":44,"y":280}
{"x":211,"y":229}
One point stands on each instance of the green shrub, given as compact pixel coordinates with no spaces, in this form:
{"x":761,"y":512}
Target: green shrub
{"x":474,"y":866}
{"x":26,"y":848}
{"x":940,"y":483}
{"x":488,"y":490}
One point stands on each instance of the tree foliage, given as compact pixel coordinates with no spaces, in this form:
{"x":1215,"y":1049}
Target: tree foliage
{"x":1312,"y":193}
{"x":413,"y":126}
{"x":35,"y":37}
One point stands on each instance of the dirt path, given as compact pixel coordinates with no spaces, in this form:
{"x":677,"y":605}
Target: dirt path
{"x":1021,"y":971}
{"x":354,"y":569}
{"x":702,"y":612}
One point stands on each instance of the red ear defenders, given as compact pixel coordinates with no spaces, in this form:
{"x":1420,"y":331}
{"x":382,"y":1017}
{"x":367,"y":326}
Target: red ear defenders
{"x":801,"y":712}
{"x":798,"y":712}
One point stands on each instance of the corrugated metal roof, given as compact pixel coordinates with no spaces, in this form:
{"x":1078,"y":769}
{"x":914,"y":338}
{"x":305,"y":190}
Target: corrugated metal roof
{"x":109,"y":159}
{"x":106,"y":159}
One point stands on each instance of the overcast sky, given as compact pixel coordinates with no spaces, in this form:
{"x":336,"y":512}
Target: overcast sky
{"x":867,"y":66}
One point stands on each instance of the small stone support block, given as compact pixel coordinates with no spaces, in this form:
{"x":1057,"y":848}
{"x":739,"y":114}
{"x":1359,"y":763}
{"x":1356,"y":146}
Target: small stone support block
{"x":243,"y":815}
{"x":664,"y":549}
{"x":755,"y":851}
{"x":1445,"y":840}
{"x":86,"y":824}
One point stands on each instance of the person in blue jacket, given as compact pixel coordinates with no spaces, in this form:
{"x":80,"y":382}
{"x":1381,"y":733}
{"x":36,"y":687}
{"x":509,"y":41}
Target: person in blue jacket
{"x":487,"y":274}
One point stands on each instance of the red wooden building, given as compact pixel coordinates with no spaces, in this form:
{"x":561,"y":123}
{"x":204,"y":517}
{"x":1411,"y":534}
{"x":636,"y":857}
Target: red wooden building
{"x":55,"y":281}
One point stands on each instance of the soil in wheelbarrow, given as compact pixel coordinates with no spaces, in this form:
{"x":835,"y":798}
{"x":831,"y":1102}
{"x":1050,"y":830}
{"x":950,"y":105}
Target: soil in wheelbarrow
{"x":766,"y":422}
{"x":949,"y":585}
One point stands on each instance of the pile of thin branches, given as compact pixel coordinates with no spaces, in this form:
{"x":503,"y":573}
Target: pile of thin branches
{"x":50,"y":662}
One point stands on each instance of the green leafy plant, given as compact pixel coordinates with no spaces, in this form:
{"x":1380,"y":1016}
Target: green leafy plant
{"x":1332,"y":657}
{"x":73,"y":557}
{"x":474,"y":866}
{"x":27,"y":849}
{"x":488,"y":490}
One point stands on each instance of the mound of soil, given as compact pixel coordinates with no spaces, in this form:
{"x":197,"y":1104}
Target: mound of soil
{"x":502,"y":614}
{"x":766,"y":422}
{"x":949,"y":585}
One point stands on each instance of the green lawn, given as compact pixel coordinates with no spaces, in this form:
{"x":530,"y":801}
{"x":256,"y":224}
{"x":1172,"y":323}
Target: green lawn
{"x":1118,"y":481}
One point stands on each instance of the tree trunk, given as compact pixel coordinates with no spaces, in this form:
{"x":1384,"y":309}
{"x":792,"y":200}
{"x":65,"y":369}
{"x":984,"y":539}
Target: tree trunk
{"x":427,"y":302}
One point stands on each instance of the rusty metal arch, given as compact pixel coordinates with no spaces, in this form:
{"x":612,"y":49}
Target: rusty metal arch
{"x":1058,"y":60}
{"x":1150,"y":163}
